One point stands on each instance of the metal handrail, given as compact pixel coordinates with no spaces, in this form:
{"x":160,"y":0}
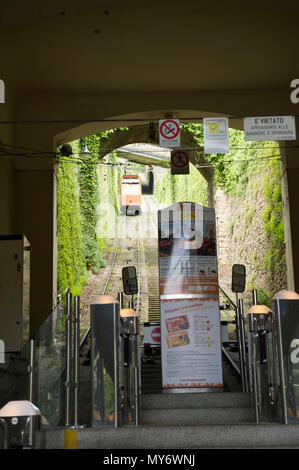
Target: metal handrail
{"x":228,"y":296}
{"x":234,"y":305}
{"x":139,"y":274}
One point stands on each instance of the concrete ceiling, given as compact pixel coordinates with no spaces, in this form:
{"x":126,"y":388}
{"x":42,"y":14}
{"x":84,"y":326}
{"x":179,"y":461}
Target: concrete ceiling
{"x":146,"y":154}
{"x":147,"y":46}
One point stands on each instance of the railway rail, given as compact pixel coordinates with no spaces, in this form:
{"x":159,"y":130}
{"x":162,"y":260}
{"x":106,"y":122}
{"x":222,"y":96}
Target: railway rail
{"x":125,"y":251}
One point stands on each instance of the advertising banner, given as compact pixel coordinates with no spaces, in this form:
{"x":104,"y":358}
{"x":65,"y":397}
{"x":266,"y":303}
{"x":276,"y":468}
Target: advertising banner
{"x":190,"y":319}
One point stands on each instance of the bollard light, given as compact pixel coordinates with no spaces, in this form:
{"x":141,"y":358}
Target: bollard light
{"x":23,"y":420}
{"x":286,"y":295}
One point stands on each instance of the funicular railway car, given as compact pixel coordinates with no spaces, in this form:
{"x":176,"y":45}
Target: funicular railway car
{"x":130,"y":194}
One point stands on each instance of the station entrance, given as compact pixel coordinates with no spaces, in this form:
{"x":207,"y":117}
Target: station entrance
{"x":121,"y":381}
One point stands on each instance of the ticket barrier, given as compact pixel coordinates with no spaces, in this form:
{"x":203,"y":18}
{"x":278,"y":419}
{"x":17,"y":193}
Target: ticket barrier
{"x":115,"y":359}
{"x":273,"y":351}
{"x":105,"y":328}
{"x":286,"y":336}
{"x":129,"y":367}
{"x":261,"y":362}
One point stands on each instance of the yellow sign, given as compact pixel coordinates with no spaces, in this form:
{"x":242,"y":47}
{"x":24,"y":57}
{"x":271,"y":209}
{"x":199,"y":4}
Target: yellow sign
{"x":212,"y":127}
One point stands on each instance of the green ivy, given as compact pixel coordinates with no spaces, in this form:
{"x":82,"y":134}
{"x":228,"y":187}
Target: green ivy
{"x":71,"y":268}
{"x":89,"y":197}
{"x":174,"y":188}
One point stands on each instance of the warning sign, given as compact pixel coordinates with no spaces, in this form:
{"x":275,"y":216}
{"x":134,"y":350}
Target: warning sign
{"x":179,"y":162}
{"x":169,"y":132}
{"x":152,"y":334}
{"x":270,"y":128}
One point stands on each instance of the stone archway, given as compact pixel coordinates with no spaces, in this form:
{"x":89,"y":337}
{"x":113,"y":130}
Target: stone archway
{"x":140,"y":134}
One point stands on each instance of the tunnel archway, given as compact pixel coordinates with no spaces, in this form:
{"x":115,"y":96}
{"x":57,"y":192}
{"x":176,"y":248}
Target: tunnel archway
{"x":140,"y":134}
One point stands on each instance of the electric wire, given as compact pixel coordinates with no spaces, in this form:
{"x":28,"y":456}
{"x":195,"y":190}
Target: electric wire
{"x":155,"y":119}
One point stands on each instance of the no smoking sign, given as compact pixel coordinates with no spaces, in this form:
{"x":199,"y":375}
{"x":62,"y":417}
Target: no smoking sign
{"x":169,"y":132}
{"x":179,"y":162}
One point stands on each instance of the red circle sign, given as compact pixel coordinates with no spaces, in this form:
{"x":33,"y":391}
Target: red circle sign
{"x":179,"y":159}
{"x":156,"y":335}
{"x":169,"y":129}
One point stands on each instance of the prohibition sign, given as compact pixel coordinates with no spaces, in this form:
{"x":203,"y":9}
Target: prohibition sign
{"x":156,"y":335}
{"x":169,"y":129}
{"x":179,"y":159}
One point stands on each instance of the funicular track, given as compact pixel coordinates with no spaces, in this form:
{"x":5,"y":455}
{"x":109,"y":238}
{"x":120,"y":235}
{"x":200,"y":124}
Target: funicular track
{"x":126,"y":251}
{"x":133,"y":248}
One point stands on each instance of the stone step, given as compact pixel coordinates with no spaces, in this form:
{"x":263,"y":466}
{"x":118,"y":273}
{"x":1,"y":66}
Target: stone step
{"x":187,"y":417}
{"x":206,"y":400}
{"x":220,"y":436}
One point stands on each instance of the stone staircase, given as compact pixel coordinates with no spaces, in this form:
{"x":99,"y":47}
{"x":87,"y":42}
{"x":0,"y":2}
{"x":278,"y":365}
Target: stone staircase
{"x":177,"y":409}
{"x":188,"y":421}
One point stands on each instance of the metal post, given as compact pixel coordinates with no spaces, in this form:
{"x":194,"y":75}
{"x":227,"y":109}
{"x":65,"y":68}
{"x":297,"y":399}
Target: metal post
{"x":76,"y":358}
{"x":253,"y":333}
{"x":244,"y":369}
{"x":281,"y":368}
{"x":68,"y":382}
{"x":116,"y":369}
{"x":135,"y":364}
{"x":239,"y":340}
{"x":254,"y":297}
{"x":31,"y":370}
{"x":120,"y":297}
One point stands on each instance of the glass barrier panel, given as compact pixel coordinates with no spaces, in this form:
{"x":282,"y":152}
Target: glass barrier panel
{"x":50,"y":367}
{"x":14,"y":376}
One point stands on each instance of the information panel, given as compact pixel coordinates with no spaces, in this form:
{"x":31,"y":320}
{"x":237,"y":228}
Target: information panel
{"x":269,"y":128}
{"x":190,"y":319}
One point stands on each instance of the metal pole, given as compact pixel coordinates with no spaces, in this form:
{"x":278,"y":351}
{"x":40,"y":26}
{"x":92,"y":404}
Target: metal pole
{"x":253,"y":334}
{"x":76,"y":358}
{"x":31,"y":370}
{"x":120,"y":297}
{"x":254,"y":297}
{"x":116,"y":369}
{"x":68,"y":359}
{"x":239,"y":340}
{"x":281,"y":368}
{"x":136,"y":370}
{"x":243,"y":347}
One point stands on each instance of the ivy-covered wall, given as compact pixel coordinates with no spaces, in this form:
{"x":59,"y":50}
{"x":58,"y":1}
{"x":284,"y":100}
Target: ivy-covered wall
{"x":89,"y":197}
{"x":173,"y":188}
{"x":250,"y":213}
{"x":82,"y":185}
{"x":71,"y":265}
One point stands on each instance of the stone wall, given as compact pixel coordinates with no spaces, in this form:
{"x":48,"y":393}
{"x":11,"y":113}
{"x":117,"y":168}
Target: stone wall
{"x":241,"y":238}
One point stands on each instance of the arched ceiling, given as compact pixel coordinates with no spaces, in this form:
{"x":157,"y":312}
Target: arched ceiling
{"x":140,"y":134}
